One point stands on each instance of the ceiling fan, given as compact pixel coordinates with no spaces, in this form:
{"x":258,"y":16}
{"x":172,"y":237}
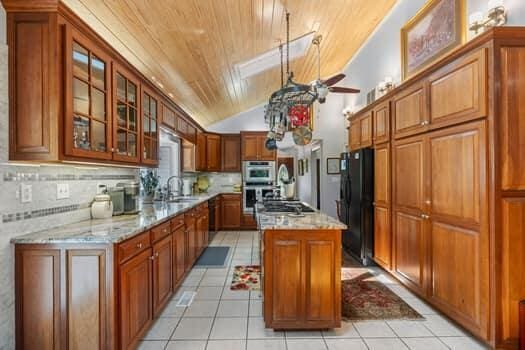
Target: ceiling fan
{"x":323,"y":87}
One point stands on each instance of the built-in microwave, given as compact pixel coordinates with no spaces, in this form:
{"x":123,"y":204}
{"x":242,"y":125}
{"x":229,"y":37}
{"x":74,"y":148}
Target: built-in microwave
{"x":259,"y":172}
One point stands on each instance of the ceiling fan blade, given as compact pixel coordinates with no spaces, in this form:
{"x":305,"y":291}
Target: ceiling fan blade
{"x":343,"y":90}
{"x":333,"y":79}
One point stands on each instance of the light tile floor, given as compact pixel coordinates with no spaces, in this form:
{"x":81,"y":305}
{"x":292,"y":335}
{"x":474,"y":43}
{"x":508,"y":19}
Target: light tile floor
{"x":221,"y":319}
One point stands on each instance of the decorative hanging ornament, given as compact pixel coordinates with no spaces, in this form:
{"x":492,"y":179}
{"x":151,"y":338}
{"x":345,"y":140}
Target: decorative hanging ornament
{"x":299,"y":115}
{"x":302,"y":135}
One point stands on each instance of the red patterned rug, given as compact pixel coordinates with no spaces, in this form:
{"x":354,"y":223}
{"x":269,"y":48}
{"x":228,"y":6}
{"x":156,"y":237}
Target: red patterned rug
{"x":372,"y":300}
{"x":247,"y":277}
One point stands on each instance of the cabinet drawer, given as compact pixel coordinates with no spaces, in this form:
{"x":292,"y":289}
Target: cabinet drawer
{"x":177,"y":222}
{"x":160,"y":231}
{"x":133,"y":246}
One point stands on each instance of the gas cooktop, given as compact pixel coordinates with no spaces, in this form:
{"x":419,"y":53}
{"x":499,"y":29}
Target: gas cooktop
{"x":280,"y":206}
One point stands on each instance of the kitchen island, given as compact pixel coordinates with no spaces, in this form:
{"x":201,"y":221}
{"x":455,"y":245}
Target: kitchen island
{"x":301,"y":269}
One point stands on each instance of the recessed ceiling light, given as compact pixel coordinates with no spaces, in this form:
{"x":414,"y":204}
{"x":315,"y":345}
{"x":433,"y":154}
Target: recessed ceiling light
{"x":272,"y":58}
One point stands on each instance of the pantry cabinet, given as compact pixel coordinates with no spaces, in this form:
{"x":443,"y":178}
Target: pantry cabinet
{"x":382,"y":206}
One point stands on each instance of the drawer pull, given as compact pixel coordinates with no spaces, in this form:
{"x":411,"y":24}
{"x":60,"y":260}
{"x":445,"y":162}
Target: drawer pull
{"x":139,"y":245}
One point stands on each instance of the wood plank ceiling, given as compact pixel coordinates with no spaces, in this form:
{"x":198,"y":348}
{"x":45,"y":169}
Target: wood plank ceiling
{"x":191,"y":46}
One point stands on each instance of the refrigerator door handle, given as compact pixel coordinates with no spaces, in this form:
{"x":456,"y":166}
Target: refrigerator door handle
{"x":348,"y":191}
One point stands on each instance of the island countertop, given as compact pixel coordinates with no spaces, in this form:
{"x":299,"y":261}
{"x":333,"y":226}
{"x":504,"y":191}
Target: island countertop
{"x":283,"y":221}
{"x":115,"y":229}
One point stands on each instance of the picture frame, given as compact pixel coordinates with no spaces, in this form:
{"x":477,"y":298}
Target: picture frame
{"x":435,"y":30}
{"x":333,"y":166}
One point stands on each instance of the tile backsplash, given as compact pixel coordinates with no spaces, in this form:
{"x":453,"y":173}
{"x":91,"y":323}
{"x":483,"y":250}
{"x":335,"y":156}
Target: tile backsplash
{"x":219,"y":182}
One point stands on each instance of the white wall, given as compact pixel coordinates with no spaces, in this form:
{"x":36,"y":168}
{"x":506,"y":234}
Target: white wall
{"x":250,"y":120}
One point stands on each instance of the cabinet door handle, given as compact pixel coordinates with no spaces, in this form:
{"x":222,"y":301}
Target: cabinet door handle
{"x":157,"y":254}
{"x":428,"y":202}
{"x":152,"y":257}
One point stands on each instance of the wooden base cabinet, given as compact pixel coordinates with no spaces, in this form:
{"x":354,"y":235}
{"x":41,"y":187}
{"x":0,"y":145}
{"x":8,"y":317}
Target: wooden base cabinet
{"x":47,"y":309}
{"x":231,"y":211}
{"x":302,"y":279}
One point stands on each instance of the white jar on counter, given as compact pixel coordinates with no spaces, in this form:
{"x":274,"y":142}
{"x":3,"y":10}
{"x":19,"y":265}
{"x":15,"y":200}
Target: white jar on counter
{"x":102,"y":207}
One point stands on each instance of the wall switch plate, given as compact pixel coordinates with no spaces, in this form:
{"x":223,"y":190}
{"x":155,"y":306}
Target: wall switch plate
{"x":26,"y":193}
{"x":62,"y":191}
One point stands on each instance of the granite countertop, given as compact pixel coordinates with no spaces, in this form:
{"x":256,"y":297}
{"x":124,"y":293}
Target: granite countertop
{"x":283,"y":221}
{"x":117,"y":228}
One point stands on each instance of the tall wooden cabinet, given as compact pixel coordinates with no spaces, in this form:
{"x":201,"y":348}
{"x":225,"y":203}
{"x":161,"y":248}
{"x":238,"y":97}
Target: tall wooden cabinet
{"x":457,"y":187}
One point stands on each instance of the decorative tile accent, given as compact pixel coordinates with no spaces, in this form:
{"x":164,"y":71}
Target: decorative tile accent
{"x":42,"y":212}
{"x":25,"y":176}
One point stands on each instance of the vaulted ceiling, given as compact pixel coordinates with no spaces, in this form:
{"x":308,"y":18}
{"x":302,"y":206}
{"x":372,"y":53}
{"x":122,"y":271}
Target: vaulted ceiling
{"x":191,"y":46}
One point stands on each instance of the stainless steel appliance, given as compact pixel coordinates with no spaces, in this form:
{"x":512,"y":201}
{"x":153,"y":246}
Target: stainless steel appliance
{"x":131,"y":197}
{"x":253,"y":193}
{"x":117,"y":197}
{"x":258,"y":172}
{"x":357,"y":196}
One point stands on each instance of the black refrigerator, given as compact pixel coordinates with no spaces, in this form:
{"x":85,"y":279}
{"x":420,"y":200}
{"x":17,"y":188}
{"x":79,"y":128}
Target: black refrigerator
{"x":356,"y":204}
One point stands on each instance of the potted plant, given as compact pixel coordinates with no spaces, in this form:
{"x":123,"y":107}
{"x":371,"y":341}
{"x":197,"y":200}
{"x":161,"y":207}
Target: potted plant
{"x":149,"y":184}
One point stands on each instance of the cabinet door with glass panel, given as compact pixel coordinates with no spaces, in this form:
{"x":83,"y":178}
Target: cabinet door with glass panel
{"x":126,"y":109}
{"x":150,"y":138}
{"x":87,"y":110}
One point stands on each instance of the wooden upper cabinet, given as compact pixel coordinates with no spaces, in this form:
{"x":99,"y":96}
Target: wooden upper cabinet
{"x":87,"y":120}
{"x":458,"y":91}
{"x":354,"y":134}
{"x":35,"y":101}
{"x":410,"y":112}
{"x":213,"y":152}
{"x":249,"y":147}
{"x":265,"y":153}
{"x":200,"y":152}
{"x":169,"y":117}
{"x":253,"y":146}
{"x":150,"y":127}
{"x":382,"y":175}
{"x":365,"y":125}
{"x":126,"y":115}
{"x":381,"y":123}
{"x":231,"y":153}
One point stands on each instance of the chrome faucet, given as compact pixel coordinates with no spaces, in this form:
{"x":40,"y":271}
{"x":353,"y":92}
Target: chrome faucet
{"x":168,"y":185}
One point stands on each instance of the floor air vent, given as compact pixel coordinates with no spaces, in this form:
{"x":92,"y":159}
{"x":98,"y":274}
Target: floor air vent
{"x":186,"y":299}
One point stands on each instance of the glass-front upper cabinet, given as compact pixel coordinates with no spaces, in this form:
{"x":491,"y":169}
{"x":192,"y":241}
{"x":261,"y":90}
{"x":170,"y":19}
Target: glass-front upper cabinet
{"x":88,"y":89}
{"x":150,"y":138}
{"x":126,"y":115}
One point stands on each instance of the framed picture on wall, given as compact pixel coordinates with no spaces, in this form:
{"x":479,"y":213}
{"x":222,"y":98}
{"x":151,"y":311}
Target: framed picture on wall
{"x":435,"y":30}
{"x":333,"y":166}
